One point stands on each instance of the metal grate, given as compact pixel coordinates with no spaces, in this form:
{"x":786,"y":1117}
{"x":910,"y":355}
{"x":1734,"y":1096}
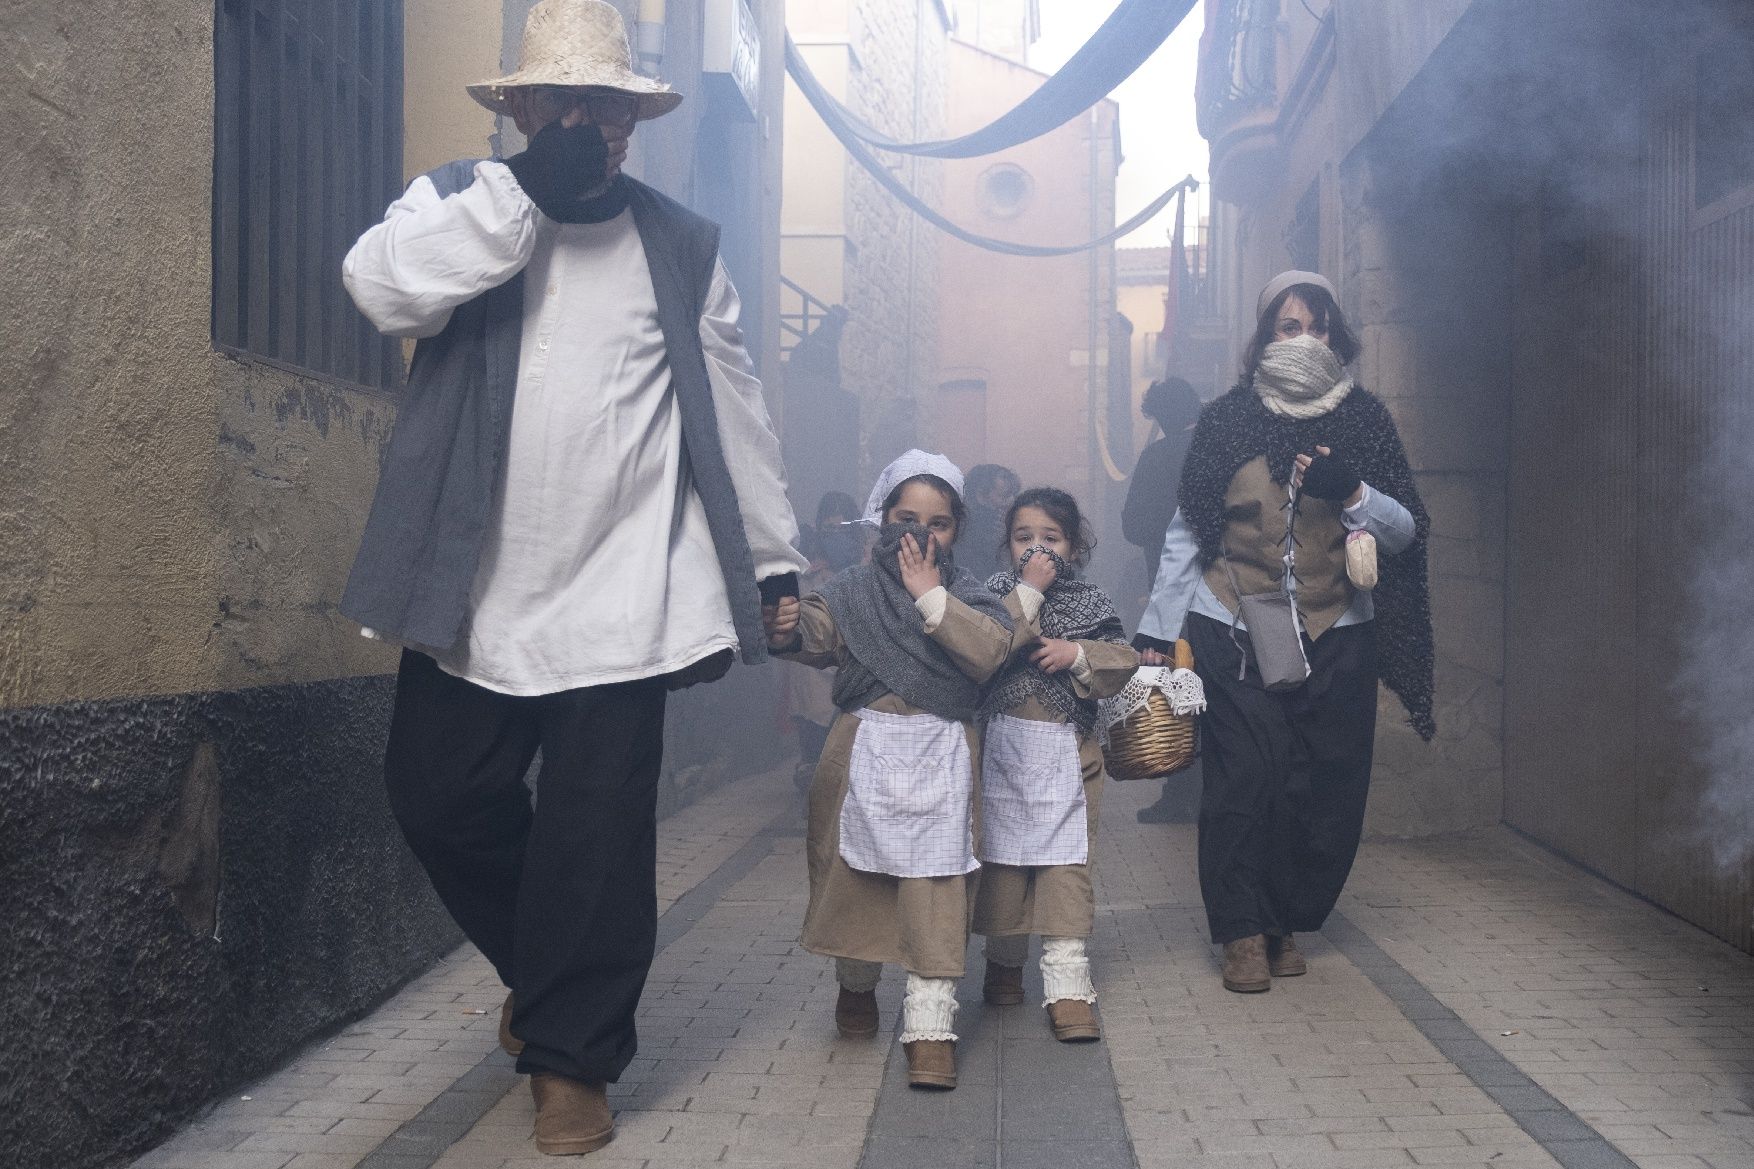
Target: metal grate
{"x":307,"y":153}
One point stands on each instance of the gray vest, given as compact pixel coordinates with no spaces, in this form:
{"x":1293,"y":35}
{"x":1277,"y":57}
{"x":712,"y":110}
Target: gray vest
{"x":422,"y":544}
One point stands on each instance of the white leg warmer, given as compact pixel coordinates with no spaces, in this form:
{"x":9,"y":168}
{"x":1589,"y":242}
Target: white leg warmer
{"x":1008,"y":951}
{"x":929,"y":1009}
{"x":856,"y":975}
{"x":1065,"y":971}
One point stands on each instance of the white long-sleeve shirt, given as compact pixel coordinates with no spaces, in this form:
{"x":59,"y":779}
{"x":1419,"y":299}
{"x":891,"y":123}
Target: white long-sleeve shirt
{"x":1181,"y":588}
{"x":598,"y":566}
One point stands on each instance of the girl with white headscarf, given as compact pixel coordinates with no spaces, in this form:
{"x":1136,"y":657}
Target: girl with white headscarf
{"x":891,"y":842}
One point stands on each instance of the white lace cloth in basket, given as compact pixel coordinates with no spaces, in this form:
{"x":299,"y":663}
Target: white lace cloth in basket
{"x":1183,"y":688}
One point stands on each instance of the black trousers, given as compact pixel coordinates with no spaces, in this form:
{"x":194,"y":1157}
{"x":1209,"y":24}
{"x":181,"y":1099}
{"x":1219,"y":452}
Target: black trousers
{"x":559,"y":893}
{"x":1285,"y":780}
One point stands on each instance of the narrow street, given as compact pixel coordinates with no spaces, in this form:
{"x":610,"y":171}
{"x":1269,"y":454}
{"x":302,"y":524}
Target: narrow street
{"x":1475,"y":1002}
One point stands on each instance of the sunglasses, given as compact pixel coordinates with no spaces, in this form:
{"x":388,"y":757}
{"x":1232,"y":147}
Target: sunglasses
{"x":603,"y":109}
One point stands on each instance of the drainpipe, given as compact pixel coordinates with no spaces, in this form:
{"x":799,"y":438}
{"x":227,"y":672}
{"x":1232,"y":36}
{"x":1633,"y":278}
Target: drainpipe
{"x":648,"y":36}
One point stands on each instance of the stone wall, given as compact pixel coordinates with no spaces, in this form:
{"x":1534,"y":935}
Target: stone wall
{"x":1414,"y":257}
{"x":889,"y":351}
{"x":1424,"y":277}
{"x":201,"y":870}
{"x":200,"y":865}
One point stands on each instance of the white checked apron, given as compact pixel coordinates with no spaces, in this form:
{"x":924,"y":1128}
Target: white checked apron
{"x":1032,"y":794}
{"x":909,"y":791}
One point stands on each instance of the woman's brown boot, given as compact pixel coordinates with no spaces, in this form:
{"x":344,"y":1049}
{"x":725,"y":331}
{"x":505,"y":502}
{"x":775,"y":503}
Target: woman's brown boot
{"x":931,"y":1064}
{"x":1284,"y":959}
{"x":1245,"y":965}
{"x":1003,"y":985}
{"x":572,"y":1116}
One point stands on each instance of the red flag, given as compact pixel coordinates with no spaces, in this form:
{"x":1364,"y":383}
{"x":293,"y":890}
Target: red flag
{"x":1172,"y":295}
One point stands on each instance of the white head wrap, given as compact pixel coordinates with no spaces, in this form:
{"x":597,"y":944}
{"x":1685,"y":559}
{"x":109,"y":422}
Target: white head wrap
{"x":914,"y":462}
{"x":1285,"y":280}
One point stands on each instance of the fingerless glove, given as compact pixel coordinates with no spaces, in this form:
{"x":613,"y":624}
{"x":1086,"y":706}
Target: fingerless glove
{"x":1329,"y":477}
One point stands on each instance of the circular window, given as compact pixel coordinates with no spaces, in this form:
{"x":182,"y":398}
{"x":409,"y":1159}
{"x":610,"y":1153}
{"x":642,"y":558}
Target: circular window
{"x":1005,"y":190}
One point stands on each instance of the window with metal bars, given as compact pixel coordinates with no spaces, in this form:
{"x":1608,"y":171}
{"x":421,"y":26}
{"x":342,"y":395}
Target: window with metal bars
{"x":307,"y":154}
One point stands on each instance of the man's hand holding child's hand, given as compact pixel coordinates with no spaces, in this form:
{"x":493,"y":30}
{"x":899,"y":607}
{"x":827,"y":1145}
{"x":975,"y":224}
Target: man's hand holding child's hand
{"x":780,"y":622}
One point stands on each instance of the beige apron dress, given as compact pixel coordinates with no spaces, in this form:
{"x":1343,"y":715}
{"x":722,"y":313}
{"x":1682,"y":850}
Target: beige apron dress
{"x":919,"y":923}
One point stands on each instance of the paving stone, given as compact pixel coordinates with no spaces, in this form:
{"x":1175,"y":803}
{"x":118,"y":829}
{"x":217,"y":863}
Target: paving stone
{"x":1390,"y":1056}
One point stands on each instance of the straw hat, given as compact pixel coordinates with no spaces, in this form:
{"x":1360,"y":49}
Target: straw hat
{"x":573,"y":43}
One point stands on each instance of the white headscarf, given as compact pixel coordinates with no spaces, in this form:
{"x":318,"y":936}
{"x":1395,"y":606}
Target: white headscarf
{"x":914,"y":462}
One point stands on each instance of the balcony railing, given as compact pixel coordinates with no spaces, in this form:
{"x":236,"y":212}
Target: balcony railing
{"x":800,"y":313}
{"x":1238,"y":64}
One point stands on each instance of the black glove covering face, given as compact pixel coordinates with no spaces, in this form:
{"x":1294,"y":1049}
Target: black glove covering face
{"x":775,"y":589}
{"x":560,"y":165}
{"x":1330,"y":477}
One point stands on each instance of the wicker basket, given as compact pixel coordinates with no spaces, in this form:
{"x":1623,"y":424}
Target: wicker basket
{"x":1154,"y":741}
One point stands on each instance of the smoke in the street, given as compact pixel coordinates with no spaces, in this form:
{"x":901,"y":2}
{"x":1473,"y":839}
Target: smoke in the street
{"x":1563,"y":112}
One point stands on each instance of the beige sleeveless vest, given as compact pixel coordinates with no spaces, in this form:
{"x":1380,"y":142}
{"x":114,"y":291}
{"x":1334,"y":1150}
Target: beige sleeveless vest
{"x":1254,"y":534}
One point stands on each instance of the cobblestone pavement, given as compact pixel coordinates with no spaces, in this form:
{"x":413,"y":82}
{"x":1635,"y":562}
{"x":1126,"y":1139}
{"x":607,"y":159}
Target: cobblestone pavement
{"x":1474,"y":1002}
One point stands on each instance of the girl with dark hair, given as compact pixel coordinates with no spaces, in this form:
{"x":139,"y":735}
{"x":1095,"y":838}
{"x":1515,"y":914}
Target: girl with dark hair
{"x":1042,"y":762}
{"x":891,"y":828}
{"x":1295,"y":485}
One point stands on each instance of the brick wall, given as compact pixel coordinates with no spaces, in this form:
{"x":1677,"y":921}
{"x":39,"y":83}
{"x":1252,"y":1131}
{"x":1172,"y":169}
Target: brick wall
{"x":889,"y":352}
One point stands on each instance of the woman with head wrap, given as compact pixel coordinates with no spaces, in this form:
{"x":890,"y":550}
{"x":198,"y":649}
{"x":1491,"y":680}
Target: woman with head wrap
{"x":1295,"y":487}
{"x":891,"y":841}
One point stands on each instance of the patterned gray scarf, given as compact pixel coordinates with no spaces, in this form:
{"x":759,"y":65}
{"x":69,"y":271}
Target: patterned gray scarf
{"x":1073,"y":610}
{"x":889,"y":651}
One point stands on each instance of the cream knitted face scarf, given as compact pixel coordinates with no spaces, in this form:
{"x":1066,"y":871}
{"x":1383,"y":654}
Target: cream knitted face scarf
{"x":1301,"y":378}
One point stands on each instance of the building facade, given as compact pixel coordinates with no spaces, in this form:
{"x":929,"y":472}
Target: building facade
{"x":1541,"y":220}
{"x":201,"y":868}
{"x":847,"y":242}
{"x":1024,"y":342}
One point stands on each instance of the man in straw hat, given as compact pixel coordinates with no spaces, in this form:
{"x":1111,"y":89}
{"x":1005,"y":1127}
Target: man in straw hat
{"x":581,"y":495}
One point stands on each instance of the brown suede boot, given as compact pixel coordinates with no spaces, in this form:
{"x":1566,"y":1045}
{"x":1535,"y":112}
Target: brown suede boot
{"x":508,"y":1042}
{"x":1284,"y":959}
{"x":1245,"y":965}
{"x":1003,"y":985}
{"x":572,"y":1116}
{"x":855,"y":1013}
{"x":1074,"y":1021}
{"x":931,"y":1063}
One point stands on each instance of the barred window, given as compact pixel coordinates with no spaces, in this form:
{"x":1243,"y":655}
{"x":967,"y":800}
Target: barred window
{"x":307,"y":154}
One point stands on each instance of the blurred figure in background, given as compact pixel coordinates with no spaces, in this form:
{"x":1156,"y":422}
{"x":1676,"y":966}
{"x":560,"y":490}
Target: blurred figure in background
{"x":1151,"y":503}
{"x":835,"y":543}
{"x":991,"y":488}
{"x":1151,"y":494}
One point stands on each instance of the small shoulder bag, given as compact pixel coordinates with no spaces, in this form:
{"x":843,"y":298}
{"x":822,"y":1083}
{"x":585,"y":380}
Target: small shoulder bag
{"x":1275,"y":630}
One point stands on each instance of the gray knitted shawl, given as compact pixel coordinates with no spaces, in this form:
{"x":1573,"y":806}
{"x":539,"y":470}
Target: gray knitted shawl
{"x":1073,"y":610}
{"x":888,"y":649}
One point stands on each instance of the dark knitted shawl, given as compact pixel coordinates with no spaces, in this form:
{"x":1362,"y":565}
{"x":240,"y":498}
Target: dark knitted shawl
{"x":1072,"y":610}
{"x":1236,"y":428}
{"x":888,"y":650}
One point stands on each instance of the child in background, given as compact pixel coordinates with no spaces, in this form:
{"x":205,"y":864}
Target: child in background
{"x":891,"y":828}
{"x":835,"y":543}
{"x":1042,"y":766}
